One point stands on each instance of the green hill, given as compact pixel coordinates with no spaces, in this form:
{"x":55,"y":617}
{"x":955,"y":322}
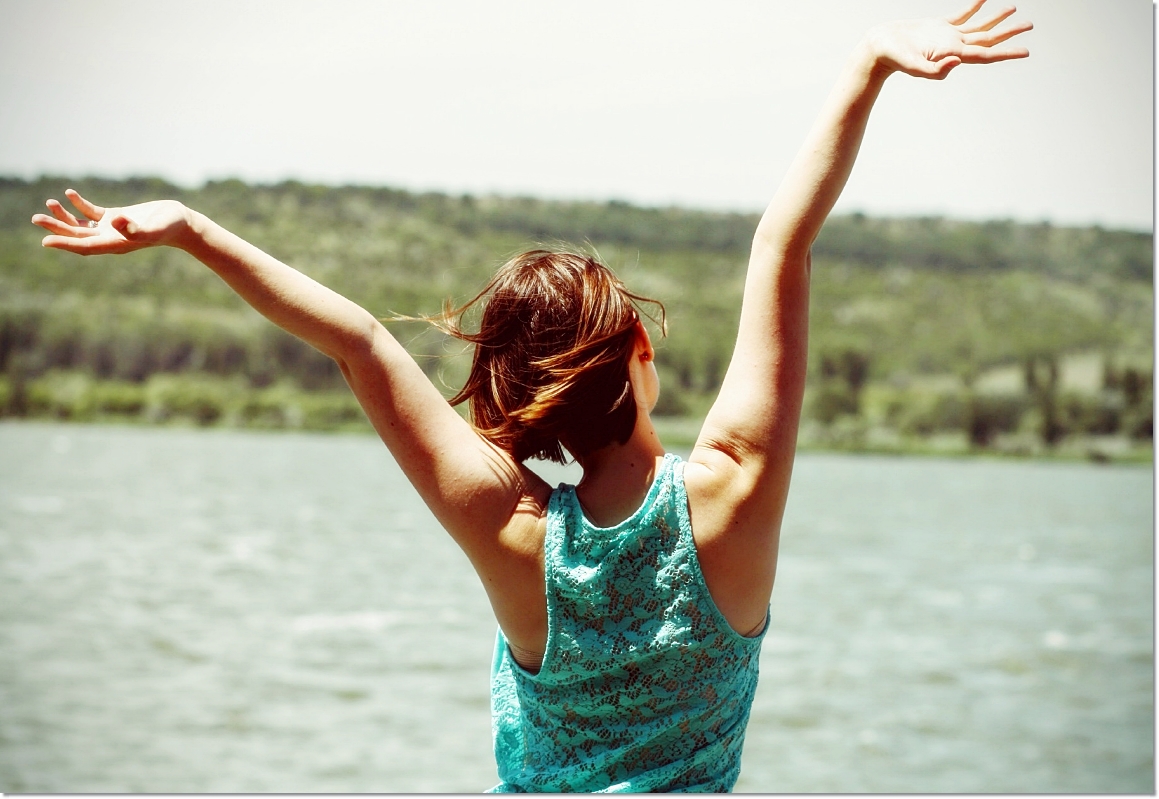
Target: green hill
{"x":926,"y":333}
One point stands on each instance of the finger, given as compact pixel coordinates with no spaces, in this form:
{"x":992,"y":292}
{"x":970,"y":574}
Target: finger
{"x":988,"y":55}
{"x":61,"y":213}
{"x":991,"y":38}
{"x":84,"y":206}
{"x":125,"y":226}
{"x":53,"y":225}
{"x":930,"y":68}
{"x":990,"y":23}
{"x":89,"y":246}
{"x":960,"y":19}
{"x":58,"y":242}
{"x":941,"y":69}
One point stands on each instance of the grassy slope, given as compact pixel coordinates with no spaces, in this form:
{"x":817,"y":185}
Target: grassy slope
{"x":931,"y":306}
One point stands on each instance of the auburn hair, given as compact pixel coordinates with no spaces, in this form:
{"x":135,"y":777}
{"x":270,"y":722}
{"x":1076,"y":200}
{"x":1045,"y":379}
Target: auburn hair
{"x":550,"y":368}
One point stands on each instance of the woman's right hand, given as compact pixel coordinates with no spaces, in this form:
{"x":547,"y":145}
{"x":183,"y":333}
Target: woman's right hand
{"x":930,"y":48}
{"x":105,"y":231}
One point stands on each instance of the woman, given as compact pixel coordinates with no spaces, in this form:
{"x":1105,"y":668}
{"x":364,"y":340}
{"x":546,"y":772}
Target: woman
{"x":631,"y":607}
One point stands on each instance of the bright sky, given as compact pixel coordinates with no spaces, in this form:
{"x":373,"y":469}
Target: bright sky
{"x":700,"y":104}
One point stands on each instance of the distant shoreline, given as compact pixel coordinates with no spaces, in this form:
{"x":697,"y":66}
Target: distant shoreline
{"x":927,"y":335}
{"x":680,"y":433}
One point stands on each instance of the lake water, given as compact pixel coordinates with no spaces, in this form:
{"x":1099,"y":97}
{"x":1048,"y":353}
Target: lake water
{"x":199,"y":611}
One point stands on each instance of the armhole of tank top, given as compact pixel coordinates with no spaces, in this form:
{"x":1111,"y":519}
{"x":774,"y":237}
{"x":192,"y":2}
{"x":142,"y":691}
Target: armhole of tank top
{"x":688,"y":540}
{"x":556,"y":520}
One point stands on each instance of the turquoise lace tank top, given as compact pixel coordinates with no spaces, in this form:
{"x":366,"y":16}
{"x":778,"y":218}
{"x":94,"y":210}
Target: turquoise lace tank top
{"x":644,"y":686}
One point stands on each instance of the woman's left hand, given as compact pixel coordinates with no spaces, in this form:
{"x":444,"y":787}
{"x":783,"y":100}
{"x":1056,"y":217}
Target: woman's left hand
{"x":930,"y":48}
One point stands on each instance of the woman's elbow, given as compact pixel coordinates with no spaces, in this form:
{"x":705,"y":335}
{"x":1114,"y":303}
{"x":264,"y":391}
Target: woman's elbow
{"x":357,"y":343}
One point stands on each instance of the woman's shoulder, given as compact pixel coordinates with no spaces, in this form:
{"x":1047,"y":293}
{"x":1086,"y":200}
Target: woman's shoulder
{"x":521,"y":533}
{"x":735,"y":527}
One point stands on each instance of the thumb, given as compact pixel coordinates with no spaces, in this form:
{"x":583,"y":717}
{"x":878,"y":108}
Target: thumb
{"x":125,"y":226}
{"x":942,"y":68}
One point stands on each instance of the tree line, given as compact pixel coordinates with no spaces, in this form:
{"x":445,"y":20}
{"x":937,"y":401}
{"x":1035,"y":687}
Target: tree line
{"x":896,"y":304}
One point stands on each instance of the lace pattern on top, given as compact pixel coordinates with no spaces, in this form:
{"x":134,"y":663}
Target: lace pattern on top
{"x":644,"y":686}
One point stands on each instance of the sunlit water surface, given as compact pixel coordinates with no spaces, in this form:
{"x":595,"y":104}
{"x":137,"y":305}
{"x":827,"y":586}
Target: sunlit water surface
{"x":189,"y":611}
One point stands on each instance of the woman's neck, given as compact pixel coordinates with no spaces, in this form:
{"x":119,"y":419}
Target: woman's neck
{"x":617,"y":477}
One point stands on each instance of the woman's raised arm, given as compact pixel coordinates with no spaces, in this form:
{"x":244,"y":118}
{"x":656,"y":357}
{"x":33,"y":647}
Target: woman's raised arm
{"x":738,"y":476}
{"x":471,"y":486}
